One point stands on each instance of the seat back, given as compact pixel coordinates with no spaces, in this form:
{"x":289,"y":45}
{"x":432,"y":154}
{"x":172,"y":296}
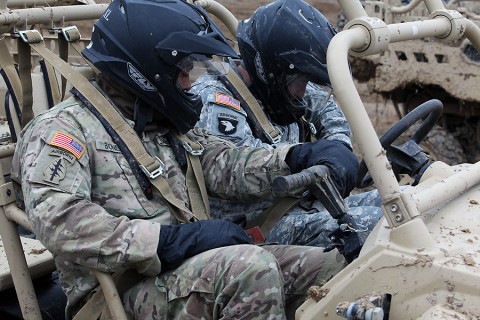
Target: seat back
{"x":29,"y":85}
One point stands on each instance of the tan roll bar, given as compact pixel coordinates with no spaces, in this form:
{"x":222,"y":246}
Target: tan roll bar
{"x":364,"y":35}
{"x":223,"y":14}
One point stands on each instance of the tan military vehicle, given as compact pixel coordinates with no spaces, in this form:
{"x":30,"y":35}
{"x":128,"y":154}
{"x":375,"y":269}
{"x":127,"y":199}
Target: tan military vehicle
{"x":429,"y":68}
{"x":420,"y":262}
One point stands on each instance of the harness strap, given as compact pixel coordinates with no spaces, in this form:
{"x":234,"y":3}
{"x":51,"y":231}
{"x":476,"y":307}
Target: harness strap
{"x":267,"y":219}
{"x":152,"y":167}
{"x":72,"y":36}
{"x":25,"y":70}
{"x":271,"y":133}
{"x":270,"y":216}
{"x":63,"y":54}
{"x":197,"y":191}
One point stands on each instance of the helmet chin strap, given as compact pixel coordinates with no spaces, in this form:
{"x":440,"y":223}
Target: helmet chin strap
{"x":142,"y":114}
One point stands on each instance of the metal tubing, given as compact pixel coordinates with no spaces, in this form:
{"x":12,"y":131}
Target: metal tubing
{"x":12,"y":4}
{"x":448,"y":188}
{"x":17,"y":215}
{"x":19,"y":269}
{"x":222,"y":13}
{"x":111,"y":294}
{"x":472,"y":32}
{"x":352,"y":9}
{"x":7,"y":150}
{"x":351,"y":104}
{"x":51,"y":14}
{"x":434,"y":5}
{"x":437,"y":27}
{"x":349,"y":101}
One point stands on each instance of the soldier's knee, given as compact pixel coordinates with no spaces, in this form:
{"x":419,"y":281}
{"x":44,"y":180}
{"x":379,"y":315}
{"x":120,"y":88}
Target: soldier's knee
{"x":254,"y":262}
{"x":251,"y":284}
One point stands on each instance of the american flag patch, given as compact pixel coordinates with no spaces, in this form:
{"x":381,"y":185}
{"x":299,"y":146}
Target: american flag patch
{"x":226,"y":100}
{"x":68,"y":143}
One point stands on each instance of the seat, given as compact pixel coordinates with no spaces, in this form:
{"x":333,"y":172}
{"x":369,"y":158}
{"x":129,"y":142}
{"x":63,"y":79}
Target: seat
{"x":27,"y":258}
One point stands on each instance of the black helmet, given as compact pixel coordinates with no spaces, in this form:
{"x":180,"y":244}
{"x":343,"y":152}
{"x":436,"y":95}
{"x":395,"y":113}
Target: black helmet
{"x":144,"y":44}
{"x":281,"y":40}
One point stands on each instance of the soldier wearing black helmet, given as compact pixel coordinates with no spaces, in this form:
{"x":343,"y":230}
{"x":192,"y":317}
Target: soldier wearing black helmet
{"x":279,"y":93}
{"x":111,"y":182}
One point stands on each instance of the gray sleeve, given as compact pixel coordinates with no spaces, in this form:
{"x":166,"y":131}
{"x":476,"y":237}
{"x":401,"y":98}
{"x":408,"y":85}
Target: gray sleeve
{"x":222,"y":114}
{"x":323,"y":112}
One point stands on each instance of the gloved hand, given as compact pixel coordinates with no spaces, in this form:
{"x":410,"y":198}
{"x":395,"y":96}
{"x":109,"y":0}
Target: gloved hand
{"x":341,"y":161}
{"x":180,"y":241}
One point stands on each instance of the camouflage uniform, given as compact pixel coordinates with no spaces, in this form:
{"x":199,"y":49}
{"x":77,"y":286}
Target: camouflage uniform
{"x":225,"y":118}
{"x":305,"y":224}
{"x":87,"y":208}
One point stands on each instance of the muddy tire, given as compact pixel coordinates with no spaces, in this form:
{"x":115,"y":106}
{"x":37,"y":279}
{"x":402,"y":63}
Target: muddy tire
{"x":441,"y":145}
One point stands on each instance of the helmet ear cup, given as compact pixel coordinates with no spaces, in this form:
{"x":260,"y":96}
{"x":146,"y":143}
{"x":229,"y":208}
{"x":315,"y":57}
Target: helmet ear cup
{"x":138,"y":43}
{"x":281,"y":38}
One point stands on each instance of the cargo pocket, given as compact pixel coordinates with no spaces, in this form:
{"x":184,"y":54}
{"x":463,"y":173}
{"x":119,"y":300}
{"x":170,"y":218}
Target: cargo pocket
{"x":190,"y":290}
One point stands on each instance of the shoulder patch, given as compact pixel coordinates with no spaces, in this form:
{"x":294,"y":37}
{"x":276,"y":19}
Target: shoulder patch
{"x":55,"y":171}
{"x":227,"y":123}
{"x":227,"y":100}
{"x":66,"y":142}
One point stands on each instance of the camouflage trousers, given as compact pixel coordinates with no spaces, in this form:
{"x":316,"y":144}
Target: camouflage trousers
{"x":237,"y":282}
{"x":310,"y":224}
{"x":306,"y":223}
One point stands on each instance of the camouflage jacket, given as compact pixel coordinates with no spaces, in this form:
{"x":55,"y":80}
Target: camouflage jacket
{"x":87,"y":207}
{"x":223,"y":116}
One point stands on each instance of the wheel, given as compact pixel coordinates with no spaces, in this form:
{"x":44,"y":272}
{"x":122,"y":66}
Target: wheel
{"x":430,"y":111}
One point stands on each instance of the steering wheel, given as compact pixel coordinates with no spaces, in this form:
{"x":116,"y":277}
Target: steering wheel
{"x":431,"y":109}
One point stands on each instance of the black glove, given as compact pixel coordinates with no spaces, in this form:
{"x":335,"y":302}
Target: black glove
{"x":180,"y":241}
{"x":334,"y":154}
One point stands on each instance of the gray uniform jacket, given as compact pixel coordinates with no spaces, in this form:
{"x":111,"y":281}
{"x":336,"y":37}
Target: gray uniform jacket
{"x":305,"y":224}
{"x":223,"y":116}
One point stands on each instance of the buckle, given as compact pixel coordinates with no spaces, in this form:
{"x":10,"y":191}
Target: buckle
{"x":190,"y":150}
{"x":71,"y":33}
{"x":273,"y":140}
{"x":313,"y":130}
{"x":155,"y":173}
{"x":30,"y":36}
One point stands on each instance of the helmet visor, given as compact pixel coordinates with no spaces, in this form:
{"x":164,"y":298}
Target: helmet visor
{"x":296,"y":87}
{"x":195,"y":66}
{"x":297,"y":84}
{"x":308,"y":64}
{"x":320,"y":97}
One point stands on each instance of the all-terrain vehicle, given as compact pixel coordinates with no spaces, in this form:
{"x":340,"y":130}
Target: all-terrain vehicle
{"x":429,"y":68}
{"x":420,"y":262}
